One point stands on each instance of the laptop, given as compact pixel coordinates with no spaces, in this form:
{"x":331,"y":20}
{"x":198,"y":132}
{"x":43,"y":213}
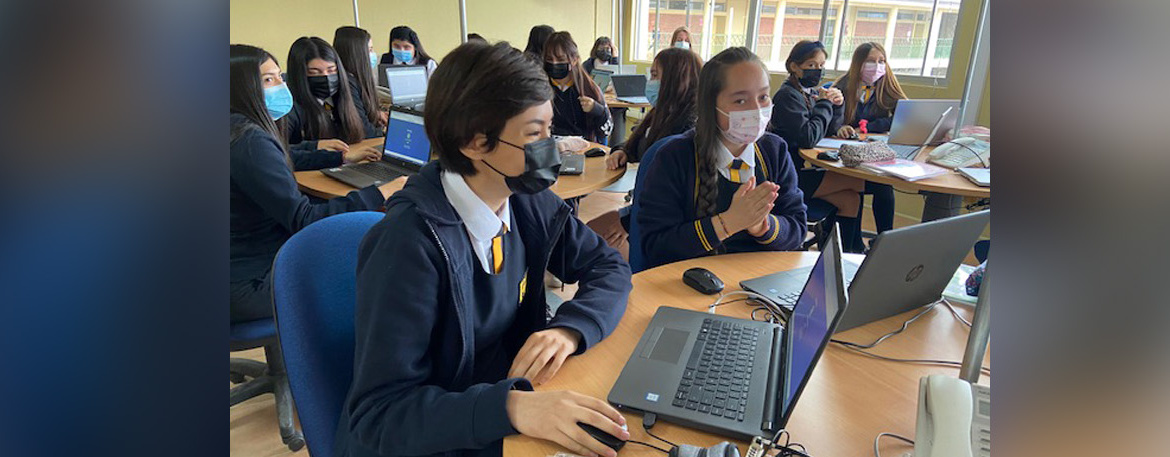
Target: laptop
{"x":572,"y":164}
{"x":906,"y":268}
{"x":730,"y":376}
{"x":405,"y":150}
{"x":920,"y":123}
{"x":602,"y":78}
{"x":624,"y":69}
{"x":407,"y":84}
{"x":630,"y":88}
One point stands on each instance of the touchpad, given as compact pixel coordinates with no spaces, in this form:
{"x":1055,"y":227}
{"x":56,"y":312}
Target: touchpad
{"x":669,"y":345}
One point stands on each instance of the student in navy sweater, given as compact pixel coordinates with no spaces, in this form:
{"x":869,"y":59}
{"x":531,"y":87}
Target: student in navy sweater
{"x":871,"y":93}
{"x":452,"y":328}
{"x":407,"y":49}
{"x":578,"y":105}
{"x":726,"y":186}
{"x":324,"y":105}
{"x":803,"y":114}
{"x":266,"y":206}
{"x":603,"y":53}
{"x":355,"y":48}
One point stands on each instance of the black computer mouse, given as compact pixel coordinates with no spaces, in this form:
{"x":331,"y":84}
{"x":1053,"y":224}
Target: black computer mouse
{"x":604,"y":438}
{"x":828,"y":155}
{"x":595,"y":152}
{"x":703,"y":281}
{"x":723,"y":449}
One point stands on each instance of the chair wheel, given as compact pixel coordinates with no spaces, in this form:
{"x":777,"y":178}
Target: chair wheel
{"x":296,"y":443}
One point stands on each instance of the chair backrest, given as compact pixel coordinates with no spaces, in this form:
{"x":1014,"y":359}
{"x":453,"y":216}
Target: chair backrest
{"x":637,"y":256}
{"x":313,"y":281}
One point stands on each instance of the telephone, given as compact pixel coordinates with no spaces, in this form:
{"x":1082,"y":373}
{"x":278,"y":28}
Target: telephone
{"x":954,"y":418}
{"x":962,"y":152}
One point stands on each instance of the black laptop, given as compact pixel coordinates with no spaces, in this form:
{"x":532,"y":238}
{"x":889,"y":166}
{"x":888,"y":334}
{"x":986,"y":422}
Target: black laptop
{"x":730,"y":376}
{"x":405,"y":150}
{"x":630,"y":88}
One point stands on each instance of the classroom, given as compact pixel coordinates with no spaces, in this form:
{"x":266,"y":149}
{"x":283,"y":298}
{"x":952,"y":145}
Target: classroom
{"x":610,"y":227}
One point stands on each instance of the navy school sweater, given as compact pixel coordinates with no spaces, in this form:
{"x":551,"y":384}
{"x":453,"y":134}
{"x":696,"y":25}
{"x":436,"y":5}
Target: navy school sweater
{"x":802,"y":122}
{"x":296,"y":127}
{"x":413,"y":390}
{"x":671,"y":228}
{"x":570,"y":120}
{"x":879,"y":119}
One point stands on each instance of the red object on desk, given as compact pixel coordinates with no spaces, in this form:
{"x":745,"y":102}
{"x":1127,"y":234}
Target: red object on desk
{"x":861,"y":126}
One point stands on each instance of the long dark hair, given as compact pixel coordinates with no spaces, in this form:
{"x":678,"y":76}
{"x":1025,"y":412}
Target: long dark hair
{"x":597,"y":44}
{"x":246,"y":94}
{"x":678,"y":75}
{"x":405,"y":33}
{"x":563,"y":43}
{"x":316,"y":124}
{"x":536,"y":38}
{"x":711,"y":82}
{"x":353,"y":47}
{"x":887,"y":91}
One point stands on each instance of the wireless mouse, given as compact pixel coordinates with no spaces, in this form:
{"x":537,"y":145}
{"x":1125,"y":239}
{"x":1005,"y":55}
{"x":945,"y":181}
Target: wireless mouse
{"x":595,"y":152}
{"x":703,"y":281}
{"x":604,"y":438}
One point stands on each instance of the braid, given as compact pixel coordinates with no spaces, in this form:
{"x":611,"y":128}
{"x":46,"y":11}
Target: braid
{"x":708,"y":194}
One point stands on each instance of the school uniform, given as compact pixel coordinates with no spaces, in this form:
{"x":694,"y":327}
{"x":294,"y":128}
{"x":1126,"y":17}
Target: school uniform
{"x":592,"y":63}
{"x":635,"y":149}
{"x":296,"y":129}
{"x":878,"y":119}
{"x":440,"y":315}
{"x":266,"y":208}
{"x":355,"y":91}
{"x":570,"y":120}
{"x":671,"y":227}
{"x":388,"y":58}
{"x":802,"y":121}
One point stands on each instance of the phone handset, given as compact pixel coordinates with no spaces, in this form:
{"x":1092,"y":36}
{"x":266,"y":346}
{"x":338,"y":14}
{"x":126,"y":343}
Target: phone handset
{"x":962,"y":152}
{"x":944,"y":417}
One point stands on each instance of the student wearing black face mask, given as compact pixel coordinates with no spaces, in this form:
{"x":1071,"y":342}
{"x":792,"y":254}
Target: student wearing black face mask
{"x":324,"y":104}
{"x":452,"y":331}
{"x":603,"y":53}
{"x":578,"y":105}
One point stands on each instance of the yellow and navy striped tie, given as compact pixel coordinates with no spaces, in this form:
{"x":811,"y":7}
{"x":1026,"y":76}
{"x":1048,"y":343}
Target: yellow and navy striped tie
{"x":865,"y":94}
{"x":498,"y":251}
{"x":736,"y":169}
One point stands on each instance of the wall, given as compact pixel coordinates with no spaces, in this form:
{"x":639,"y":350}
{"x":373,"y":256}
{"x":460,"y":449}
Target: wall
{"x":275,"y":24}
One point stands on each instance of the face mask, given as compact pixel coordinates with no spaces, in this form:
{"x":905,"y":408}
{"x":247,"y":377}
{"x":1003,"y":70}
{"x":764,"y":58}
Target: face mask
{"x":324,"y":86}
{"x":652,"y":87}
{"x":278,"y":100}
{"x":374,"y":59}
{"x":556,"y":70}
{"x":745,"y":127}
{"x":605,"y":56}
{"x":542,"y":163}
{"x":810,"y":78}
{"x":403,"y":56}
{"x":871,"y":72}
{"x":682,"y":44}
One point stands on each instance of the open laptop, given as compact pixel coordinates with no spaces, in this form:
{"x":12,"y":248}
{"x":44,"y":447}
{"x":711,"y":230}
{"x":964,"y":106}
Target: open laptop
{"x":920,"y":123}
{"x":906,"y":268}
{"x":730,"y":376}
{"x":623,"y":69}
{"x":602,"y":78}
{"x":405,"y":150}
{"x":407,"y":84}
{"x":630,"y":88}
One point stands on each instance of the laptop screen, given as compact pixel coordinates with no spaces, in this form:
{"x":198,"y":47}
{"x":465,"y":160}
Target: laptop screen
{"x":406,"y":83}
{"x":629,"y":85}
{"x":406,"y":139}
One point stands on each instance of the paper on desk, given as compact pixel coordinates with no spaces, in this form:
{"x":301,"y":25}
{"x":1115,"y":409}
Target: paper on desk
{"x":833,"y":143}
{"x":956,"y":290}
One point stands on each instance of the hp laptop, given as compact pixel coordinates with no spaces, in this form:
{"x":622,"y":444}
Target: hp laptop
{"x":906,"y":268}
{"x":920,"y":123}
{"x":630,"y":88}
{"x":407,"y":84}
{"x":405,"y":150}
{"x":735,"y":377}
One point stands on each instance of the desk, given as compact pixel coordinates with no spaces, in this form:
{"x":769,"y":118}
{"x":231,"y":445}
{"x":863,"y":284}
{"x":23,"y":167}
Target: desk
{"x":595,"y":177}
{"x":849,"y":400}
{"x":618,"y":110}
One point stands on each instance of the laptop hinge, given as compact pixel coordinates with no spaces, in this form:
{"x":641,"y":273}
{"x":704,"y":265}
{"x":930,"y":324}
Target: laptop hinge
{"x":774,"y":381}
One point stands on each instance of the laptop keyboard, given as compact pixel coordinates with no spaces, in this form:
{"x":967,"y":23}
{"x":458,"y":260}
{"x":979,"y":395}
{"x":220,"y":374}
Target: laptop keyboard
{"x":376,"y":170}
{"x":903,"y":151}
{"x":719,"y":370}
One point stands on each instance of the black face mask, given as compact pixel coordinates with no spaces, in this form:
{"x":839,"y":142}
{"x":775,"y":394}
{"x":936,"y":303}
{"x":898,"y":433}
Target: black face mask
{"x":542,"y":164}
{"x":324,"y":86}
{"x":605,"y":55}
{"x":556,"y":70}
{"x":810,"y":78}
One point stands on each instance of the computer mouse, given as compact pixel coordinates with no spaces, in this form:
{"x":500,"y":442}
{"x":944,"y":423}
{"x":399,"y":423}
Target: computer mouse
{"x":724,"y":449}
{"x":828,"y":155}
{"x":595,"y":152}
{"x":703,"y":281}
{"x":604,"y":438}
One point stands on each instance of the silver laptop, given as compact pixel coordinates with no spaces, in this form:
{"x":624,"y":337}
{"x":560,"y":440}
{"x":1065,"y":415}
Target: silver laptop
{"x":602,"y":78}
{"x":919,"y":123}
{"x":407,"y":84}
{"x":405,"y":150}
{"x":730,"y":376}
{"x":630,"y":88}
{"x":906,"y":268}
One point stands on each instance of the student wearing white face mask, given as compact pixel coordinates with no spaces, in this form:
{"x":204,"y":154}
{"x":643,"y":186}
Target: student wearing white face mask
{"x":681,"y":38}
{"x":728,"y":185}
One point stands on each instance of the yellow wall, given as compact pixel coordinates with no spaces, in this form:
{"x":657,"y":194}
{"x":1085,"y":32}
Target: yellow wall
{"x":275,"y":24}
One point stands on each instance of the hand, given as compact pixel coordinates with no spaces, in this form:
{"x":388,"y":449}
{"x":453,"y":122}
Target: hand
{"x":553,"y":416}
{"x":391,"y":187}
{"x":616,"y":159}
{"x":383,"y":118}
{"x":846,"y":131}
{"x":760,"y":229}
{"x":586,"y":103}
{"x":750,"y":205}
{"x":333,"y":145}
{"x":835,"y":97}
{"x":609,"y":227}
{"x":361,"y":155}
{"x":542,"y":355}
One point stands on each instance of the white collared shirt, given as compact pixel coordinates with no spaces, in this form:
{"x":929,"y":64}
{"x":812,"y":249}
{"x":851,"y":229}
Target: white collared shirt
{"x":723,"y":159}
{"x":481,"y":222}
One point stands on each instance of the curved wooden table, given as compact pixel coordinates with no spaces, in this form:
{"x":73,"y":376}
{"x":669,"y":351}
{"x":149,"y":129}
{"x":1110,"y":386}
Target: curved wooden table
{"x":595,"y":177}
{"x":951,"y":183}
{"x":849,"y":400}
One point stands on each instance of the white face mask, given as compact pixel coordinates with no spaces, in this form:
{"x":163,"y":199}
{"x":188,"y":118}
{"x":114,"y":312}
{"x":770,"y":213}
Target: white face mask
{"x":682,"y":44}
{"x":745,"y":127}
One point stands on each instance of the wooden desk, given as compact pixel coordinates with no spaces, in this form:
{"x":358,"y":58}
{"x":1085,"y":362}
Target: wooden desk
{"x":595,"y":177}
{"x":849,"y":400}
{"x":951,"y":183}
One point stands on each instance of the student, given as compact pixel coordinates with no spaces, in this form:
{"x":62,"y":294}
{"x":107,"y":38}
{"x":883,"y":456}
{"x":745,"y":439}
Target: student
{"x":324,"y":107}
{"x":476,"y":37}
{"x":578,"y":105}
{"x":536,"y":38}
{"x":451,"y":324}
{"x":603,"y":53}
{"x":406,"y":49}
{"x":356,"y":50}
{"x":803,"y":114}
{"x":266,"y":206}
{"x":871,"y":92}
{"x":681,"y":38}
{"x":726,"y":186}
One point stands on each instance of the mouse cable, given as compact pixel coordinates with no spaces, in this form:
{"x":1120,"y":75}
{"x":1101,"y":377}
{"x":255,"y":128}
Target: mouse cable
{"x":648,"y":421}
{"x":882,"y":338}
{"x":788,"y":448}
{"x":955,"y":312}
{"x":877,"y":453}
{"x":664,"y":451}
{"x":772,"y":306}
{"x":946,"y":363}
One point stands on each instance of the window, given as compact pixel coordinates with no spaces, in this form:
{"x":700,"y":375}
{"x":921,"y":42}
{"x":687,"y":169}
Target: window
{"x":714,"y":25}
{"x":873,"y":14}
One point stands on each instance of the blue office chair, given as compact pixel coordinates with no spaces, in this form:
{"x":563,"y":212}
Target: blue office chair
{"x":314,"y":278}
{"x":821,"y":216}
{"x":265,"y":378}
{"x":637,"y":256}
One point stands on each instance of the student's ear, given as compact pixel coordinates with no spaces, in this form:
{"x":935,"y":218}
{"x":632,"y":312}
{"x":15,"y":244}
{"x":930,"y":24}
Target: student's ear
{"x":477,"y":148}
